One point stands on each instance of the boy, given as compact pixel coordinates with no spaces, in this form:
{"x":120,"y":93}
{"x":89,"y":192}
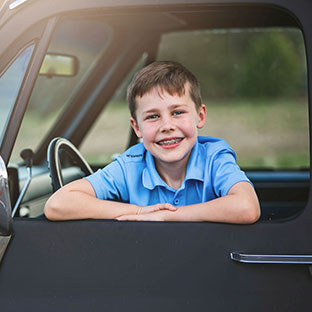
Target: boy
{"x":174,"y":175}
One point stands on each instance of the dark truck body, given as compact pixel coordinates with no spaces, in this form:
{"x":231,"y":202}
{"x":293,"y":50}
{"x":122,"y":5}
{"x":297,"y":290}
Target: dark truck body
{"x":100,"y":265}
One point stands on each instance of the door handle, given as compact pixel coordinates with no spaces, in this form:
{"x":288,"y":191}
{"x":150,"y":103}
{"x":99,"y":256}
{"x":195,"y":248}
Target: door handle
{"x":278,"y":259}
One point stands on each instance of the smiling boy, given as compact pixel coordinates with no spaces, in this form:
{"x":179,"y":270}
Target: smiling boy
{"x":173,"y":175}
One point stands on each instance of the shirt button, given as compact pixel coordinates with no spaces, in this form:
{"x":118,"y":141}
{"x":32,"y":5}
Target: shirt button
{"x":176,"y":201}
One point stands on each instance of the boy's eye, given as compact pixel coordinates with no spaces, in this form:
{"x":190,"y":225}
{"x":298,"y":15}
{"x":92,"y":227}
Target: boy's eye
{"x":151,"y":117}
{"x":177,"y":113}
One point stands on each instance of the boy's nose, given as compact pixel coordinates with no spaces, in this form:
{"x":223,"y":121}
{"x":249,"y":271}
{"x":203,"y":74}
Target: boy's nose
{"x":167,"y":124}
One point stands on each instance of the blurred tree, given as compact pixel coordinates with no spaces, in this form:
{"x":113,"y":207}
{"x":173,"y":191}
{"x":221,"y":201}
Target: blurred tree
{"x":271,"y":67}
{"x":241,"y":63}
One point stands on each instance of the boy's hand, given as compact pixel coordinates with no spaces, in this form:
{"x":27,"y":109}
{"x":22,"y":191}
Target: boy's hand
{"x":157,"y":207}
{"x":149,"y":213}
{"x":159,"y":215}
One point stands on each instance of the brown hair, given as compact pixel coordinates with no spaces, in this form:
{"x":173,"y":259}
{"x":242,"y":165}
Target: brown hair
{"x":169,"y":76}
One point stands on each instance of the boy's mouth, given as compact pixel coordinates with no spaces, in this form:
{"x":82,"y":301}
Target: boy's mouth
{"x":167,"y":142}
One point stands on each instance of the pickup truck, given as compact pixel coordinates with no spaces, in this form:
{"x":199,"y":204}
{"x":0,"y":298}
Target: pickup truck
{"x":64,"y":68}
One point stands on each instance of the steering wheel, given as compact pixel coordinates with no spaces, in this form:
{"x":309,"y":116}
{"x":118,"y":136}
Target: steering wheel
{"x":55,"y":155}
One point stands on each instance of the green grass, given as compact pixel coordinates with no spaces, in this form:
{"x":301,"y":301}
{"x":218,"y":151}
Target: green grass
{"x":263,"y":133}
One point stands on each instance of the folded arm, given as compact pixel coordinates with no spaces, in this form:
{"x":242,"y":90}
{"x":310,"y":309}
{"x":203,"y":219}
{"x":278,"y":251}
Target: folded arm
{"x":240,"y":205}
{"x":77,"y":200}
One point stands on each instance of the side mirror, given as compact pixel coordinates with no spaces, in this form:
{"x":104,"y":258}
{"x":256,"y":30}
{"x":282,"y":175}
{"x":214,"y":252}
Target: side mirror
{"x":5,"y":203}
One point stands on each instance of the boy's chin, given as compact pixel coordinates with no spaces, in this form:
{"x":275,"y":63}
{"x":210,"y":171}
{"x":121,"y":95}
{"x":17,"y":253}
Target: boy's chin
{"x":172,"y":159}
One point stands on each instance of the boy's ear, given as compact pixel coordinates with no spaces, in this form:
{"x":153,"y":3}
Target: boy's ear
{"x":135,"y":127}
{"x":201,"y":116}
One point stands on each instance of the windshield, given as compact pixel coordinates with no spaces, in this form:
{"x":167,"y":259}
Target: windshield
{"x":86,"y":40}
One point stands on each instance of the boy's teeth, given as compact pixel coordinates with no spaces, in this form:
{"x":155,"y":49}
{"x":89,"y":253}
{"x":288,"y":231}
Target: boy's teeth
{"x":169,"y":142}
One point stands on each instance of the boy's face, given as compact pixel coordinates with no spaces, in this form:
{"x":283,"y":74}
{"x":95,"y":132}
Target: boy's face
{"x":168,"y":124}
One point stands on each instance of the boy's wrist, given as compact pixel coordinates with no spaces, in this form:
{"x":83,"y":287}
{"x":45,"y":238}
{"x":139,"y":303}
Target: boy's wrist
{"x":169,"y":215}
{"x":129,"y":209}
{"x":138,"y":210}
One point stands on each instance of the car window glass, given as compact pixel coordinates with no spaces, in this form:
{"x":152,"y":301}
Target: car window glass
{"x":10,"y":84}
{"x":254,"y":84}
{"x":85,"y":41}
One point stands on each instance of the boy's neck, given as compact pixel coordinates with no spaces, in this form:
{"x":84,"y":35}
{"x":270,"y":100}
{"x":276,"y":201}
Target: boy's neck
{"x":172,"y":173}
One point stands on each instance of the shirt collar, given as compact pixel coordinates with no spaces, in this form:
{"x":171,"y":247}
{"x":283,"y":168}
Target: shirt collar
{"x":195,"y":169}
{"x":150,"y":176}
{"x":196,"y":164}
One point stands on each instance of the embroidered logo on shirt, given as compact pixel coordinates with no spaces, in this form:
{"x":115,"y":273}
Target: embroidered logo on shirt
{"x":134,"y":156}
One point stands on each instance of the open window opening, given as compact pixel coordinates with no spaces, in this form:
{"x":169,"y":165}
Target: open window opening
{"x":253,"y":77}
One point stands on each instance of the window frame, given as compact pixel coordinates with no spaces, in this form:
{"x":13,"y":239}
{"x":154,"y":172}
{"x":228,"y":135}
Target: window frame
{"x":18,"y":110}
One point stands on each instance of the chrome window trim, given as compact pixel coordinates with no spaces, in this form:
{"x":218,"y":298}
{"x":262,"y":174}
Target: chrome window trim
{"x":16,"y":3}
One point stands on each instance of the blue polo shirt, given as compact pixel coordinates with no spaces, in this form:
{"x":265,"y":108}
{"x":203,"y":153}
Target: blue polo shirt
{"x":133,"y":178}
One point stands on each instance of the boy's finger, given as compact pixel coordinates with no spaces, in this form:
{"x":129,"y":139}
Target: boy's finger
{"x":169,"y":207}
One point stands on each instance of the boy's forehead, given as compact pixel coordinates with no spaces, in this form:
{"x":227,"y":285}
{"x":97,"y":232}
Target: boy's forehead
{"x":163,"y":92}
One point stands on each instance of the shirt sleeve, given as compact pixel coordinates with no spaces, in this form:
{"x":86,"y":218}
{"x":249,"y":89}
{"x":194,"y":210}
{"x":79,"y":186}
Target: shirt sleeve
{"x":109,"y":183}
{"x":226,"y":172}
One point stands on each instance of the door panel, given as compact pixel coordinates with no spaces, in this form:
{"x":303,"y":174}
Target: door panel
{"x":153,"y":266}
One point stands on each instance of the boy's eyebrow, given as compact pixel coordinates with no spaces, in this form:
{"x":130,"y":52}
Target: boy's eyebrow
{"x":177,"y":105}
{"x":153,"y":110}
{"x":156,"y":110}
{"x":173,"y":106}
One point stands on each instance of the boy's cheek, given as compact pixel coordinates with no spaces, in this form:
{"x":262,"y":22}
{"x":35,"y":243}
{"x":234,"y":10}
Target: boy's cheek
{"x":148,"y":130}
{"x":146,"y":136}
